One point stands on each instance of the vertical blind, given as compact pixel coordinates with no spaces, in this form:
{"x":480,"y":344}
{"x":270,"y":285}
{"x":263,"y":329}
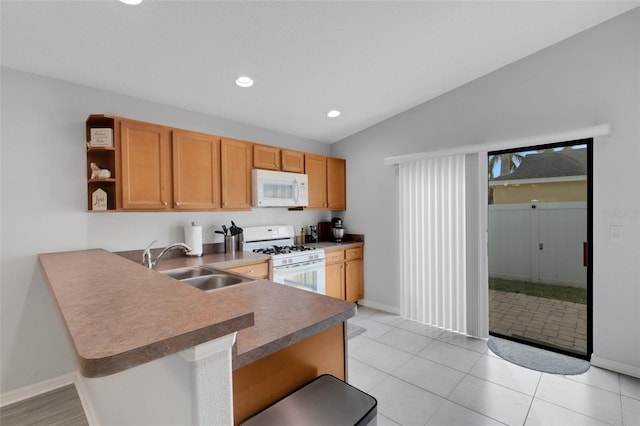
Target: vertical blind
{"x":433,"y":267}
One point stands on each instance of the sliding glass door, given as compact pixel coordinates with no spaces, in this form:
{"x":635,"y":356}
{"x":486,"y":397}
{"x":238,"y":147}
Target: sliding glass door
{"x":540,"y":219}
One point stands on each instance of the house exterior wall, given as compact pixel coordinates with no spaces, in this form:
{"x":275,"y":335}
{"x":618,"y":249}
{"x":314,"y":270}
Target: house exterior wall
{"x":591,"y":78}
{"x":543,"y":192}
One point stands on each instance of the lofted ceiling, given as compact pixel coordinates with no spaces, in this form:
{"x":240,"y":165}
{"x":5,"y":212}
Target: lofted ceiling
{"x":369,"y":59}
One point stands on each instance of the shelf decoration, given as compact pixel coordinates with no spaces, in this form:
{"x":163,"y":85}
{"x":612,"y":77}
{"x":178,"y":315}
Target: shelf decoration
{"x":99,"y":200}
{"x":101,"y":137}
{"x":98,"y":173}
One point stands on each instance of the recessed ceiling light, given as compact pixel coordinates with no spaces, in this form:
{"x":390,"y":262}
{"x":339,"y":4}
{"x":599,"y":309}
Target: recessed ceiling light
{"x":244,"y":81}
{"x":131,"y":2}
{"x":333,"y":113}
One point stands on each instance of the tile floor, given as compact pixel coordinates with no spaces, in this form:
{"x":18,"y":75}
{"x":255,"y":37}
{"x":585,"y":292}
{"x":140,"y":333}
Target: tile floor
{"x":423,"y":375}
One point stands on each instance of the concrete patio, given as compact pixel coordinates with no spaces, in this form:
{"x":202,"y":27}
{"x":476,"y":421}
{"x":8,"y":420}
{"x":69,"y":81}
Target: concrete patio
{"x":548,"y":321}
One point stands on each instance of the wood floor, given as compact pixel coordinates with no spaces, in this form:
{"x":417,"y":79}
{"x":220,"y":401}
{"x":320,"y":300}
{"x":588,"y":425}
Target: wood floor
{"x":56,"y":408}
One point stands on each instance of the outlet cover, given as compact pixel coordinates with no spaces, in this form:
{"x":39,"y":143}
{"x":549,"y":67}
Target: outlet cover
{"x":615,"y":233}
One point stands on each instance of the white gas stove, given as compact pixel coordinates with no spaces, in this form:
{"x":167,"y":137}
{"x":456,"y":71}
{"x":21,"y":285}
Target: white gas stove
{"x":294,"y":265}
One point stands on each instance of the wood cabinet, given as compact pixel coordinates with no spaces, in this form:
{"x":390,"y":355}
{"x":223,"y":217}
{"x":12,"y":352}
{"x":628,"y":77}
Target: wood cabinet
{"x":255,"y":269}
{"x":327,"y":182}
{"x":146,"y":166}
{"x":292,"y":161}
{"x":160,"y":168}
{"x":196,"y":171}
{"x":274,"y":158}
{"x":235,"y":166}
{"x":336,"y":183}
{"x":334,"y":280}
{"x":353,"y":274}
{"x":266,"y":157}
{"x":344,"y":273}
{"x":315,"y":166}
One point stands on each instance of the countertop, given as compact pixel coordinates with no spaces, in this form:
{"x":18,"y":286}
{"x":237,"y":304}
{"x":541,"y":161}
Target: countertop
{"x":120,"y":314}
{"x":330,"y":245}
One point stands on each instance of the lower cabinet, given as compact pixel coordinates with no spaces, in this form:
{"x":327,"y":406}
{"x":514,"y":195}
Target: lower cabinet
{"x":256,"y":269}
{"x":344,"y":274}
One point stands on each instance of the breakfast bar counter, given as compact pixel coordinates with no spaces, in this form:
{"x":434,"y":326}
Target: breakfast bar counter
{"x":120,"y":314}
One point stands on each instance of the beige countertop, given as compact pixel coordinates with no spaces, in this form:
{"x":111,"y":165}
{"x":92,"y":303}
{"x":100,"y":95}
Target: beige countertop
{"x":120,"y":314}
{"x":330,"y":245}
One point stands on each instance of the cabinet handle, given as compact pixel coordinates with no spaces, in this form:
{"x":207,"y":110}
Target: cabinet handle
{"x":177,"y":204}
{"x":165,"y":203}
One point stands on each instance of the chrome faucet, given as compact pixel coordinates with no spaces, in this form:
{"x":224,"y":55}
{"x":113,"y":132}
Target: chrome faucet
{"x":151,"y":263}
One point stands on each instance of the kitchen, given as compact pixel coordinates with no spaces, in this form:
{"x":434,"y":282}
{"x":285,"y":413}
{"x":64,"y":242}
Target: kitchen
{"x":44,"y":190}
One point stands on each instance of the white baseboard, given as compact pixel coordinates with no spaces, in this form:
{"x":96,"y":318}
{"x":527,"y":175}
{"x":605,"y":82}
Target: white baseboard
{"x":36,"y":389}
{"x":87,"y":405}
{"x":379,"y":306}
{"x":618,"y":367}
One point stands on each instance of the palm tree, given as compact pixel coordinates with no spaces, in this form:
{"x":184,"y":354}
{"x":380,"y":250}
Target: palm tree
{"x":508,"y":163}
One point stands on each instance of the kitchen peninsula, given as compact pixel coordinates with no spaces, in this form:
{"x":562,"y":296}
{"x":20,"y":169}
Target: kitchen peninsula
{"x":127,"y":325}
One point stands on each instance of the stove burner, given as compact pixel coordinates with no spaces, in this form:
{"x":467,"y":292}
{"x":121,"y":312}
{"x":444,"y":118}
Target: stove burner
{"x":281,"y":249}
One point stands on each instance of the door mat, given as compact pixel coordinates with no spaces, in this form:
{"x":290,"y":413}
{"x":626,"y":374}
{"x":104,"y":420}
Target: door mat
{"x":537,"y":359}
{"x":354,"y":330}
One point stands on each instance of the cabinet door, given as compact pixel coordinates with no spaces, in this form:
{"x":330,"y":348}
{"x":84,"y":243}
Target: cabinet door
{"x":334,"y":280}
{"x":336,"y":184}
{"x":292,"y":161}
{"x":353,"y":280}
{"x":196,"y":170}
{"x":235,"y":175}
{"x":258,"y":270}
{"x":266,"y":157}
{"x":315,"y":166}
{"x":146,"y":166}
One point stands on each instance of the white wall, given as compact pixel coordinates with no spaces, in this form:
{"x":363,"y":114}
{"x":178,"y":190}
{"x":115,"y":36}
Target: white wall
{"x":43,"y":207}
{"x":591,"y":78}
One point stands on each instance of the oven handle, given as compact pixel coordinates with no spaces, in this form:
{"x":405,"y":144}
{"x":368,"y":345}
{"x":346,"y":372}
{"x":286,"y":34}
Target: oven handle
{"x":299,"y":266}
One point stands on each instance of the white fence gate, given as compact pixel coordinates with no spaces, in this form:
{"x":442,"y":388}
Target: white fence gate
{"x":538,"y":242}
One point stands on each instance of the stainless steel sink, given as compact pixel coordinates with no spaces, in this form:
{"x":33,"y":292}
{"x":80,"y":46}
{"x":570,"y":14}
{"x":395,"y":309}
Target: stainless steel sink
{"x":206,"y":279}
{"x":214,"y":281}
{"x":191,"y":272}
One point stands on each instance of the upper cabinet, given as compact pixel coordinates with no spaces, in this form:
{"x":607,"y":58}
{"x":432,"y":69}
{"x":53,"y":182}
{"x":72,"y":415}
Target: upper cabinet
{"x":235,"y":163}
{"x":266,"y":157}
{"x":327,"y":182}
{"x":274,"y":158}
{"x":196,"y":170}
{"x":292,"y":161}
{"x":138,"y":166}
{"x":146,"y":166}
{"x":336,"y":183}
{"x":315,"y":166}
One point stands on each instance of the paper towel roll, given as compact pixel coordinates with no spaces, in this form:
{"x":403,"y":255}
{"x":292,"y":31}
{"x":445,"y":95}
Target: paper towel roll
{"x":193,"y":238}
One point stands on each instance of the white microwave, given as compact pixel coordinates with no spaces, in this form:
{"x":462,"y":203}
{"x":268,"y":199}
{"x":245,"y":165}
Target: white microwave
{"x":279,"y":189}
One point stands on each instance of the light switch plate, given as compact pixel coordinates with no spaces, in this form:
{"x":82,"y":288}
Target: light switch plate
{"x":615,"y":233}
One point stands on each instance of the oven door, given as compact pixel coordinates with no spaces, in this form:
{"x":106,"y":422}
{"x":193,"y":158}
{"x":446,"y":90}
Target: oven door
{"x":307,"y":276}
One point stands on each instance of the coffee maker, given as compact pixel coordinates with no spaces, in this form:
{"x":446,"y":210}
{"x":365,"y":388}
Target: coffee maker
{"x":313,"y":234}
{"x":337,"y":231}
